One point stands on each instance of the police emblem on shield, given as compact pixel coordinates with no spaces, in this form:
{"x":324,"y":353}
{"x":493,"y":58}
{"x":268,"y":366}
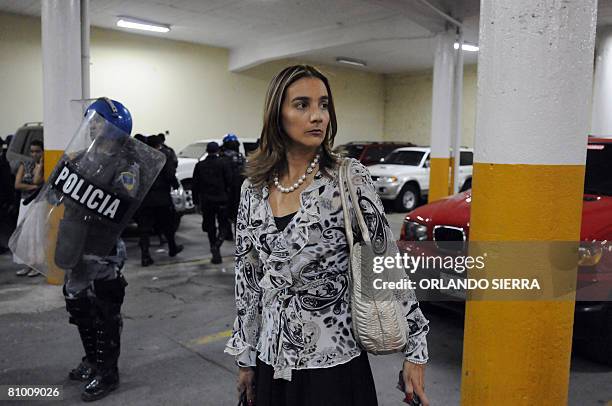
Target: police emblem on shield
{"x":128,"y":180}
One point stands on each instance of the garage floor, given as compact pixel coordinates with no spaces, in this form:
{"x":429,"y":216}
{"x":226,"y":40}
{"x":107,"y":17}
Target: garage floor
{"x":177,"y":316}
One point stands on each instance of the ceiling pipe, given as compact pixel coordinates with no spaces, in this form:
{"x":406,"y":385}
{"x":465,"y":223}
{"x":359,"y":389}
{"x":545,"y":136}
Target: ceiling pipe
{"x":442,"y":14}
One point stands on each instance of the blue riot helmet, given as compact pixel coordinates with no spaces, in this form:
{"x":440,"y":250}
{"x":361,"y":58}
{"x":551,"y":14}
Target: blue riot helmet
{"x":113,"y":112}
{"x":230,"y":137}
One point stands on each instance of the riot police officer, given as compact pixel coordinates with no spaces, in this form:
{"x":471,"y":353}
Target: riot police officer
{"x":99,"y":186}
{"x":212,"y":182}
{"x":94,"y":286}
{"x":157,"y":209}
{"x":95,"y":189}
{"x":230,"y":150}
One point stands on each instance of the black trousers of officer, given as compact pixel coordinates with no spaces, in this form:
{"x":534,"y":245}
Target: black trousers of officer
{"x":97,"y":315}
{"x":213,"y":214}
{"x":161,"y":217}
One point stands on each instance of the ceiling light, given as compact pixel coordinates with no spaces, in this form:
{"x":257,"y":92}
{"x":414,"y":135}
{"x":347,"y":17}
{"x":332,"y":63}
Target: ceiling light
{"x":467,"y":47}
{"x":127,"y":22}
{"x":351,"y":61}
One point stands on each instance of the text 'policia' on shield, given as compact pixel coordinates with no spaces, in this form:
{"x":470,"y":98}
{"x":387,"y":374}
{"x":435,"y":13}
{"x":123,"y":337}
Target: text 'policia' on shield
{"x":89,"y":196}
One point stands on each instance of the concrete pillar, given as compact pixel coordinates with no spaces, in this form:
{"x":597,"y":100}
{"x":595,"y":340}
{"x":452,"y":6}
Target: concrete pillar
{"x":457,"y":116}
{"x":61,"y":50}
{"x":441,"y":116}
{"x":85,"y":56}
{"x":62,"y":88}
{"x":602,"y":86}
{"x":535,"y":71}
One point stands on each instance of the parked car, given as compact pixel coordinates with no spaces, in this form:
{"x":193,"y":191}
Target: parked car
{"x":403,"y":178}
{"x":449,"y":220}
{"x":19,"y":150}
{"x":370,"y":153}
{"x":188,"y":157}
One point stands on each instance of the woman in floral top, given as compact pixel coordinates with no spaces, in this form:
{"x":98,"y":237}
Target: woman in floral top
{"x":292,"y":337}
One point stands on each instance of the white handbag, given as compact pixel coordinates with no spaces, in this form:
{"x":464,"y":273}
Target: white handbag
{"x":379,"y":324}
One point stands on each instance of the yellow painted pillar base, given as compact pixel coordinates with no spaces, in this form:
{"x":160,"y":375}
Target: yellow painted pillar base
{"x":55,"y":275}
{"x":518,"y":353}
{"x":438,"y":178}
{"x":52,"y":157}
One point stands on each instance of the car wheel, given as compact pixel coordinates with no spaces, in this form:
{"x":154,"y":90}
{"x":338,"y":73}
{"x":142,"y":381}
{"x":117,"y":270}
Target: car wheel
{"x":408,"y":198}
{"x":467,"y":185}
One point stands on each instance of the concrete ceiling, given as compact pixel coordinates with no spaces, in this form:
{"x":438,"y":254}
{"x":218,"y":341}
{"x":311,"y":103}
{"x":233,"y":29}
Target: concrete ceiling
{"x":391,"y":36}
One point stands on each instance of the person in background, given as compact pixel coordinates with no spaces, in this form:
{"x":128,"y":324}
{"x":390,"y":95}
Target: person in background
{"x":29,"y":179}
{"x":169,"y":152}
{"x":172,"y":158}
{"x":231,"y":151}
{"x":157,"y":209}
{"x":141,"y":138}
{"x":8,"y":208}
{"x":212,"y":182}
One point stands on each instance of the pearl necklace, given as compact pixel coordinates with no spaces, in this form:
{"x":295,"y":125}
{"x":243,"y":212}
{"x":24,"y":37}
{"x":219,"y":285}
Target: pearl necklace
{"x":301,"y":180}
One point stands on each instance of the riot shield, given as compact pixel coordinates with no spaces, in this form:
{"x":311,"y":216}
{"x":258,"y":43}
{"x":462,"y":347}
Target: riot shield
{"x":93,"y":191}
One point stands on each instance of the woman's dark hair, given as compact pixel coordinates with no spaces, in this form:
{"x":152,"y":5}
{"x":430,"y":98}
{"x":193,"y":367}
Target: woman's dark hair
{"x":37,"y":143}
{"x":271,"y":155}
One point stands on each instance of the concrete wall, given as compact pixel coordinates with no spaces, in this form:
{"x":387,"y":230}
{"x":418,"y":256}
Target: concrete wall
{"x":20,"y":72}
{"x":408,"y":106}
{"x":187,"y":89}
{"x":169,"y":85}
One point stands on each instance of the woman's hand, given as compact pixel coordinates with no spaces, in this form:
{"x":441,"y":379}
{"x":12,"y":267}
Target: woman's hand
{"x":39,"y":173}
{"x":246,"y":382}
{"x":414,"y":379}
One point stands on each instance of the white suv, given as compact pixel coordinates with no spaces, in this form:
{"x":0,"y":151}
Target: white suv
{"x":403,"y":178}
{"x":188,"y":157}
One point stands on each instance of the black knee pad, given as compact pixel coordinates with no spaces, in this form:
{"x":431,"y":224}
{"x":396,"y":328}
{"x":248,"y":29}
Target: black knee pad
{"x":80,"y":308}
{"x":109,"y":296}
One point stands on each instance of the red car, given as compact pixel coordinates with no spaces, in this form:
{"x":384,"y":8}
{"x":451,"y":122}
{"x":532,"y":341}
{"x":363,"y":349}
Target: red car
{"x":370,"y":153}
{"x":449,"y":220}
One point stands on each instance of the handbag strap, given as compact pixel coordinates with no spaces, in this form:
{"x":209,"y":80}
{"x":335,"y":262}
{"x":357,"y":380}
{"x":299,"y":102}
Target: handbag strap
{"x":346,"y":180}
{"x":345,"y":211}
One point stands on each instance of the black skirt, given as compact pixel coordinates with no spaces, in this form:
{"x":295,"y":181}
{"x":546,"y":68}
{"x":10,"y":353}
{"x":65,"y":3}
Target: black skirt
{"x":349,"y":384}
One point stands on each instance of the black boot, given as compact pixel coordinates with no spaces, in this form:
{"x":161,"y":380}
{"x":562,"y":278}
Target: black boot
{"x":146,"y":260}
{"x":108,"y":334}
{"x":101,"y":385}
{"x":216,"y":255}
{"x":145,"y":256}
{"x":82,"y":315}
{"x":87,"y":367}
{"x":84,"y":371}
{"x":173,"y":249}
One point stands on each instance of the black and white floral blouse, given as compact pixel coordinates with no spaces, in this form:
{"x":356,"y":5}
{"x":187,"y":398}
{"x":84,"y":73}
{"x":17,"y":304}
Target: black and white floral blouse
{"x":292,"y":294}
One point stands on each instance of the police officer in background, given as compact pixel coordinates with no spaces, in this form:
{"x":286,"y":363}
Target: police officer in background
{"x":212,"y":188}
{"x":231,"y":151}
{"x":169,"y":152}
{"x":157,"y":209}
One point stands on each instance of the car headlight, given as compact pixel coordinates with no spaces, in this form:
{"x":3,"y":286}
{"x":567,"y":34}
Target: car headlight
{"x":415,"y":231}
{"x":388,"y":179}
{"x":590,"y":254}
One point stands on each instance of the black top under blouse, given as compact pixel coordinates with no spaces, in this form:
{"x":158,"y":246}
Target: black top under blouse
{"x":282,"y":222}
